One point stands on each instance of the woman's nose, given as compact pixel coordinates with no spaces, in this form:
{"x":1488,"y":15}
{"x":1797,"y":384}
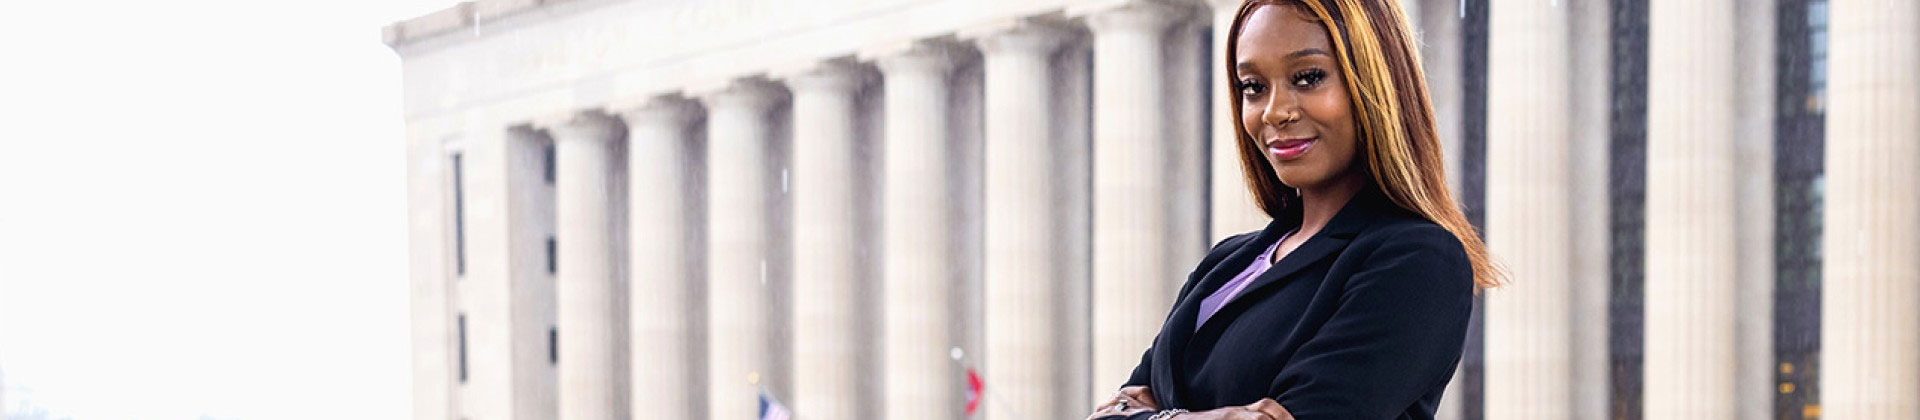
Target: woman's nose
{"x":1279,"y":111}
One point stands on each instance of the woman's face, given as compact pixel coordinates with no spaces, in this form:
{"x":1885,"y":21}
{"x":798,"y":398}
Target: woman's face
{"x":1293,"y":100}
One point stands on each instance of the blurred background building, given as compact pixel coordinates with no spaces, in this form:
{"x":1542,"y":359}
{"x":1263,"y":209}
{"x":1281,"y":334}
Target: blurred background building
{"x":659,"y":209}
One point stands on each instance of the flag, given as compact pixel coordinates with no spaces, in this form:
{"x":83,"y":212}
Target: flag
{"x":771,"y":409}
{"x":974,"y":388}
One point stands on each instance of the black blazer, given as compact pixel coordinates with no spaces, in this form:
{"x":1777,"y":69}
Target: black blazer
{"x":1364,"y":321}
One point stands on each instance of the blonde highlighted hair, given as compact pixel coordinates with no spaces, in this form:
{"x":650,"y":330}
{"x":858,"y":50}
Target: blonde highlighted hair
{"x":1398,"y":140}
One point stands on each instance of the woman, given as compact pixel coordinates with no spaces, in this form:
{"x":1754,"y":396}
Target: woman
{"x":1353,"y":302}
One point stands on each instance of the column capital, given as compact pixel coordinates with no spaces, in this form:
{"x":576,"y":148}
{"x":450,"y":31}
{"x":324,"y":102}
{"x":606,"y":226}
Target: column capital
{"x":667,"y":109}
{"x":839,"y":75}
{"x":929,"y":55}
{"x":1130,"y":15}
{"x":1224,"y":6}
{"x":592,"y":125}
{"x":1018,"y":35}
{"x":754,"y":93}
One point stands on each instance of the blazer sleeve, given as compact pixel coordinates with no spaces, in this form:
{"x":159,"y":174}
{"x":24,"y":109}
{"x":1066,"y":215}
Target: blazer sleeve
{"x":1142,"y":372}
{"x":1396,"y":335}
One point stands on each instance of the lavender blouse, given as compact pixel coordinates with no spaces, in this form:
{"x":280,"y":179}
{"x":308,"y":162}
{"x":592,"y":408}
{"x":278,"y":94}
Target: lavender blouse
{"x":1225,"y":294}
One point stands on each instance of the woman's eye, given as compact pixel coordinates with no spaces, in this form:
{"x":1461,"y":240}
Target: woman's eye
{"x":1250,"y":88}
{"x":1309,"y":78}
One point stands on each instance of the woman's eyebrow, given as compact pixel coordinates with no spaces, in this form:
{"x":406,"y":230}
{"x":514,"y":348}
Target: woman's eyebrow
{"x":1307,"y":52}
{"x":1246,"y":65}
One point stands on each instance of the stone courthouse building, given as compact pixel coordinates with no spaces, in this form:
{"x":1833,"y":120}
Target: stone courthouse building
{"x":660,"y":209}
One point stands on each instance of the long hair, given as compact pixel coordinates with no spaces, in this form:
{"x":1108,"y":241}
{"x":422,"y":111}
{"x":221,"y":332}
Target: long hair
{"x":1398,"y":141}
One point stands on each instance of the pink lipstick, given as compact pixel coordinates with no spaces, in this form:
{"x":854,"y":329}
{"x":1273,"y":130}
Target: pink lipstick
{"x":1291,"y":148}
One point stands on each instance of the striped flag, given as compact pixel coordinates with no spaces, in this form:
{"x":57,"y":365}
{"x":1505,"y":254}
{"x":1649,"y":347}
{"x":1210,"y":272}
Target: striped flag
{"x":974,"y":386}
{"x":771,"y":409}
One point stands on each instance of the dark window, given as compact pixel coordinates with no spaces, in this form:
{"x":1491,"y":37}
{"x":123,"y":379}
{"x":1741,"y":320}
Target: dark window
{"x":459,"y":220}
{"x":463,"y":347}
{"x":547,"y":154}
{"x":553,"y":345}
{"x":1473,"y":191}
{"x":1627,"y":193}
{"x":553,"y":255}
{"x":1800,"y":142}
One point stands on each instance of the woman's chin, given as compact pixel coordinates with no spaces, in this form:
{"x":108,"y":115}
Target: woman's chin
{"x":1298,"y":177}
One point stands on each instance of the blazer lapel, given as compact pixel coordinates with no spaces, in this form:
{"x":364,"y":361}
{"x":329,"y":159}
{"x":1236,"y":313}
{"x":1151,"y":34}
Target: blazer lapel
{"x":1237,"y":262}
{"x":1170,"y":350}
{"x":1352,"y":218}
{"x":1179,"y":327}
{"x":1317,"y":248}
{"x":1188,"y":309}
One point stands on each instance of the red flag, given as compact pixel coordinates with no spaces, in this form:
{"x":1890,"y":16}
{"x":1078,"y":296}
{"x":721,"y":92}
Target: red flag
{"x":974,"y":388}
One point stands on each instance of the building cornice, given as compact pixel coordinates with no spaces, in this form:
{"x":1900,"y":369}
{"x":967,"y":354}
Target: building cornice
{"x":460,"y":16}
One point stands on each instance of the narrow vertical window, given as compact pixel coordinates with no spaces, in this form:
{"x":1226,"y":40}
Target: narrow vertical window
{"x":1799,"y":200}
{"x":463,"y":347}
{"x":553,"y":255}
{"x":553,"y":345}
{"x":547,"y":154}
{"x":1627,"y":196}
{"x":1473,"y":188}
{"x":459,"y":220}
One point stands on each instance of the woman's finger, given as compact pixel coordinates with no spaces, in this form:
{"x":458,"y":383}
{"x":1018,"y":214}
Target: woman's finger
{"x":1141,"y":396}
{"x":1129,"y":398}
{"x":1103,"y":407}
{"x":1271,"y":408}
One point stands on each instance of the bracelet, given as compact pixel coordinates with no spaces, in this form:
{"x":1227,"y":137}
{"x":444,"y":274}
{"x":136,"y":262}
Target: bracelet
{"x":1167,"y":414}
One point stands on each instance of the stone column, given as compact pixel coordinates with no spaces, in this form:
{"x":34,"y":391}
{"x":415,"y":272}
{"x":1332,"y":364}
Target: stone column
{"x":1870,"y":296}
{"x":1073,"y":109}
{"x":1440,"y":39}
{"x":1592,"y":239}
{"x":921,"y":237}
{"x":830,"y":262}
{"x":499,"y":189}
{"x":1132,"y":248}
{"x":588,"y":312}
{"x":432,"y":274}
{"x":1027,"y":258}
{"x":1411,"y":9}
{"x":1528,"y":212}
{"x":532,"y":292}
{"x":1754,"y":372}
{"x":1440,"y":58}
{"x":666,"y":231}
{"x":742,"y":183}
{"x":1232,"y":206}
{"x":1690,"y":211}
{"x":1187,"y":52}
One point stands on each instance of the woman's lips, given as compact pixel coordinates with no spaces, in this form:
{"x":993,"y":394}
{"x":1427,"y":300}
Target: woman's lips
{"x":1291,"y":148}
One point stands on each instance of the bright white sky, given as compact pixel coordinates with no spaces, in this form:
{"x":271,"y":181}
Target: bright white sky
{"x":202,"y":209}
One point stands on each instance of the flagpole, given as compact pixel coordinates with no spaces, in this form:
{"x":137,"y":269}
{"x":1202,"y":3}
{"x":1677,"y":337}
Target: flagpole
{"x":986,"y":394}
{"x":768,"y":402}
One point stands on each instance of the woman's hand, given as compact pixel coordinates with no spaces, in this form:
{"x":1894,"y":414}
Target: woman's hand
{"x":1129,"y":401}
{"x":1271,"y":408}
{"x":1265,"y":409}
